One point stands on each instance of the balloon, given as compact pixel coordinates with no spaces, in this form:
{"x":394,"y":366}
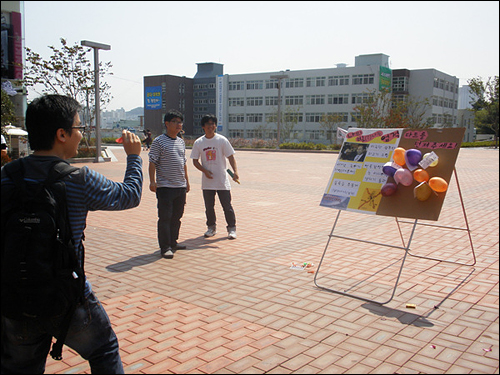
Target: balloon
{"x":421,"y":175}
{"x":422,"y":191}
{"x":388,"y":189}
{"x":412,"y":158}
{"x":438,"y":184}
{"x":399,"y":156}
{"x":403,"y":176}
{"x":434,"y":163}
{"x":389,"y":168}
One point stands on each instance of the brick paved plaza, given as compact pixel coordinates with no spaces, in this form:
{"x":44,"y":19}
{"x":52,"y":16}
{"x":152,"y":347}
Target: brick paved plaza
{"x":235,"y":306}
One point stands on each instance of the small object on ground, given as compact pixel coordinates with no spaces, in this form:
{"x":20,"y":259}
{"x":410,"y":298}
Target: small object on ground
{"x":411,"y":306}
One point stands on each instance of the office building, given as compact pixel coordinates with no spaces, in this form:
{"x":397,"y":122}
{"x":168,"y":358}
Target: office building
{"x":247,"y":104}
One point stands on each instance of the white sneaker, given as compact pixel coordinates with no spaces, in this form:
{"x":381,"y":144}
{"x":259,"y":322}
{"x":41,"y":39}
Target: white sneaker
{"x":210,"y":232}
{"x":231,"y":235}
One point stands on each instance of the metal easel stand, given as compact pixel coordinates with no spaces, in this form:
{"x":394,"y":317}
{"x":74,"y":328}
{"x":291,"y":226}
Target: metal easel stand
{"x":406,"y":248}
{"x":447,"y":227}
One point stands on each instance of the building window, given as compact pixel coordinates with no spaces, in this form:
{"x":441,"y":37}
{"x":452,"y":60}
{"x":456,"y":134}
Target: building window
{"x":338,"y":99}
{"x":400,"y":84}
{"x":315,"y":99}
{"x":294,"y":117}
{"x":254,"y":117}
{"x":236,"y":102}
{"x":253,"y":102}
{"x":294,"y":82}
{"x":315,"y":81}
{"x":294,"y":100}
{"x":271,"y":100}
{"x":237,"y":117}
{"x":360,"y":98}
{"x":271,"y":83}
{"x":254,"y":85}
{"x":237,"y":85}
{"x":338,"y":80}
{"x":314,"y":117}
{"x":363,"y":79}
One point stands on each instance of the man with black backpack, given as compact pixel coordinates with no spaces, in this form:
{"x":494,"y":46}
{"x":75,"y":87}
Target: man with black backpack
{"x":45,"y":203}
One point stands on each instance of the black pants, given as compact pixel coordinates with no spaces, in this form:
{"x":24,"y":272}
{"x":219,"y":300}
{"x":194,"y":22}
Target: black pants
{"x":171,"y":202}
{"x":225,"y":201}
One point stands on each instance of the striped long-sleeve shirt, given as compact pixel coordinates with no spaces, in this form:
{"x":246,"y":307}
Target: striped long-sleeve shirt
{"x":88,"y":190}
{"x":169,"y":157}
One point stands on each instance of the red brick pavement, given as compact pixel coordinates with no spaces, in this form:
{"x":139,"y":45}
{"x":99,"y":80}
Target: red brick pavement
{"x":225,"y":306}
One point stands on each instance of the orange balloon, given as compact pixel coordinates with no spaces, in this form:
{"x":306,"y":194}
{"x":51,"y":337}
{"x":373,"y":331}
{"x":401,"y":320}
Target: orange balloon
{"x":399,"y":156}
{"x":421,"y":175}
{"x":438,"y":184}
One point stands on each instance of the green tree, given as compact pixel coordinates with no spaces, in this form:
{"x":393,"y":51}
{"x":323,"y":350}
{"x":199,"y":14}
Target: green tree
{"x":67,"y":72}
{"x":8,"y":113}
{"x":485,"y":104}
{"x":380,"y":109}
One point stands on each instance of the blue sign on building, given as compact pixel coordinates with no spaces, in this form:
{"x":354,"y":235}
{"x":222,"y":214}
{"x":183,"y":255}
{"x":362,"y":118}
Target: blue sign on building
{"x":152,"y":97}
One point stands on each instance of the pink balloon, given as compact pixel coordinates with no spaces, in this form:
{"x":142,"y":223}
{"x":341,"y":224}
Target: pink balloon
{"x":403,"y":176}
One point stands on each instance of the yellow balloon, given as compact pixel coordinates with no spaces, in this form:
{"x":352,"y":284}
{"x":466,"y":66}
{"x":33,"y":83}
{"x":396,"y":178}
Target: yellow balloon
{"x":434,"y":163}
{"x":438,"y":184}
{"x":422,"y":191}
{"x":399,"y":156}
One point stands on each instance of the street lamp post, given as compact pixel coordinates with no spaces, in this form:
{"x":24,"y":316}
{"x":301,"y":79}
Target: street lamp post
{"x":97,"y":46}
{"x":279,"y":77}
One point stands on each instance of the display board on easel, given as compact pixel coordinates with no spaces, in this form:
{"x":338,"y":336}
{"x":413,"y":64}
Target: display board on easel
{"x":394,"y":172}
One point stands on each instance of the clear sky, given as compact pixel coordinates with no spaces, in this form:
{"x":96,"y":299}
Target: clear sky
{"x":460,"y":38}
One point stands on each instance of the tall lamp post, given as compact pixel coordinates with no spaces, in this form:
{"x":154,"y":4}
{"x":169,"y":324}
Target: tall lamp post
{"x":97,"y":46}
{"x":279,"y":77}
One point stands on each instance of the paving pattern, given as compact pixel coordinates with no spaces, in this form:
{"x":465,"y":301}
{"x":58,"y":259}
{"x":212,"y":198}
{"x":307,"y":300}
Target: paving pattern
{"x":236,"y":306}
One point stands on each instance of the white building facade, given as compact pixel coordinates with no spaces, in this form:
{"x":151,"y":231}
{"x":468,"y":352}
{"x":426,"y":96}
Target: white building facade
{"x":247,"y":103}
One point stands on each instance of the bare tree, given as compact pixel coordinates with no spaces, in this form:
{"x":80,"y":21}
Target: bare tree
{"x":330,"y":122}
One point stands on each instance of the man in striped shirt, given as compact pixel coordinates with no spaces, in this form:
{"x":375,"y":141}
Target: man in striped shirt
{"x":54,"y":132}
{"x":168,"y":178}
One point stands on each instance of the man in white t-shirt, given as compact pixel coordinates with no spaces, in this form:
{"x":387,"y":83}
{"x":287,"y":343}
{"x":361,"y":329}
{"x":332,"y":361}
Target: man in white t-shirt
{"x":213,"y":149}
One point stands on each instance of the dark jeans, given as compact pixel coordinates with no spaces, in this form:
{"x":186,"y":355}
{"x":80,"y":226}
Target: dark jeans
{"x":225,"y":201}
{"x":171,"y":203}
{"x":25,"y":345}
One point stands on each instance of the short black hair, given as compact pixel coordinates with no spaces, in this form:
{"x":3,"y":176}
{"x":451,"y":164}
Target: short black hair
{"x":208,"y":117}
{"x":45,"y":115}
{"x":171,"y":114}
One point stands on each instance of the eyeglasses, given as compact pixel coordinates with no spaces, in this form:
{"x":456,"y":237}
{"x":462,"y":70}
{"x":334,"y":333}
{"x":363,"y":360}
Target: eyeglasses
{"x":176,"y":122}
{"x":81,"y":128}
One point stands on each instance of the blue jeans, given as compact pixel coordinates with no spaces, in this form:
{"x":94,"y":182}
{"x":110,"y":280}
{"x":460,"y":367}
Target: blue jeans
{"x":25,"y":345}
{"x":171,"y":202}
{"x":225,"y":201}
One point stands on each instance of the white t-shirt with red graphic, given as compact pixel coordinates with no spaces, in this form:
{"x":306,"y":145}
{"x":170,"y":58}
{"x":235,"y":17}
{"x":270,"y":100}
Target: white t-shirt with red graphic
{"x":212,"y":154}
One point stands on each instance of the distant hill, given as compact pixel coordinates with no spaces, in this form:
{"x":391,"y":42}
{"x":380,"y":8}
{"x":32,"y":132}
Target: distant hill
{"x":139,"y":111}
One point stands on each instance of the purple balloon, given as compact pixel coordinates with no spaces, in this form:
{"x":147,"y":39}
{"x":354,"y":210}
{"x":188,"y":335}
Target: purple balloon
{"x":389,"y":168}
{"x":413,"y":157}
{"x":403,"y":176}
{"x":388,"y":189}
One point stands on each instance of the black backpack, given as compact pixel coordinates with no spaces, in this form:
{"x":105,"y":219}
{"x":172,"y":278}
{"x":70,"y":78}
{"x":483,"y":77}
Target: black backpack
{"x":41,"y":275}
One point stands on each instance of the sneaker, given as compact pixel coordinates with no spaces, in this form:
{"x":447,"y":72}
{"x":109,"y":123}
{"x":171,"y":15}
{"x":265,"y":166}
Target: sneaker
{"x":231,"y":234}
{"x":210,"y":232}
{"x":167,"y":253}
